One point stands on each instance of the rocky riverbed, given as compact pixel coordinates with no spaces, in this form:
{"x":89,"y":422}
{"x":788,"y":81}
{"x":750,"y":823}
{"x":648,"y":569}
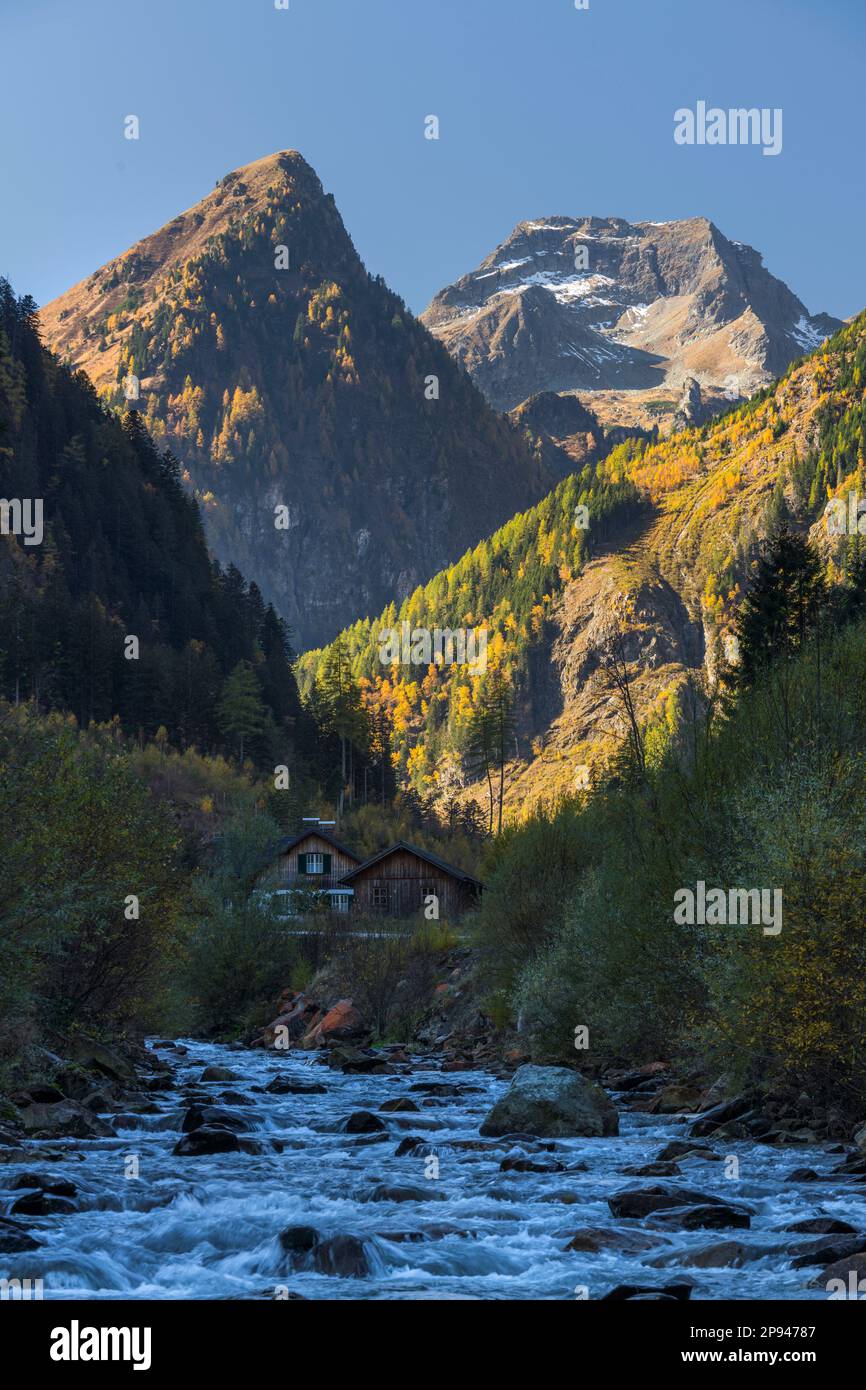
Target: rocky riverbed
{"x":250,"y":1173}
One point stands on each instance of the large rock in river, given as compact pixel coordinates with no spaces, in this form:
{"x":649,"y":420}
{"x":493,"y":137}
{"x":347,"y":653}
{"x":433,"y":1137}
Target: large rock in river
{"x":95,"y":1056}
{"x":64,"y":1118}
{"x":555,"y":1102}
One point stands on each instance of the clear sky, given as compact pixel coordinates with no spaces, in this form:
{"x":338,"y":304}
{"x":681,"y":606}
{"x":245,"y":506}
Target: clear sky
{"x":544,"y":110}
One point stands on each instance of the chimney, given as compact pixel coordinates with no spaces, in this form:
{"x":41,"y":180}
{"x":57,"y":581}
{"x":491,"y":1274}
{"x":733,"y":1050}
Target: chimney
{"x":316,"y":823}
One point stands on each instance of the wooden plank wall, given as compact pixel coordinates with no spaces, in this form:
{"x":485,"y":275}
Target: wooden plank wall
{"x":285,"y":866}
{"x":409,"y":880}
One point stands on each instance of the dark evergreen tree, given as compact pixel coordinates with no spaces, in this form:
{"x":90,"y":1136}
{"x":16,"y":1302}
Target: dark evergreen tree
{"x":783,"y":605}
{"x":241,"y":710}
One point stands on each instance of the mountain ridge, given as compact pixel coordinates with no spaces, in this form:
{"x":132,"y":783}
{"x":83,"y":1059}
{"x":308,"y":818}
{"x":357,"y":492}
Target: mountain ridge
{"x":339,"y":453}
{"x":655,"y":582}
{"x":603,"y":304}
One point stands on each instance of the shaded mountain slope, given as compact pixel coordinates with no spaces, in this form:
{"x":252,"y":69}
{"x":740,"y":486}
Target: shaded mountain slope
{"x":340,"y":454}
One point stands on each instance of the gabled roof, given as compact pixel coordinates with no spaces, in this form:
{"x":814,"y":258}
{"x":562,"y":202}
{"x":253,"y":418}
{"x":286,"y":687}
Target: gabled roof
{"x":284,"y":846}
{"x":424,"y":854}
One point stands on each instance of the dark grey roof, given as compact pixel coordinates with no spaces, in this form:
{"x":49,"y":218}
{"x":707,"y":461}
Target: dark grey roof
{"x":424,"y":854}
{"x":285,"y":845}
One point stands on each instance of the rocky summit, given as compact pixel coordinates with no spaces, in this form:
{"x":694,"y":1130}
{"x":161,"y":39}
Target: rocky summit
{"x":633,"y":309}
{"x":340,"y":455}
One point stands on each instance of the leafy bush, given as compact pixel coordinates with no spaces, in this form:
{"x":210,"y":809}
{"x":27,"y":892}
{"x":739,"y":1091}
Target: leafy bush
{"x":390,"y":971}
{"x":241,"y":953}
{"x":239,"y":958}
{"x":93,"y":900}
{"x":532,"y":872}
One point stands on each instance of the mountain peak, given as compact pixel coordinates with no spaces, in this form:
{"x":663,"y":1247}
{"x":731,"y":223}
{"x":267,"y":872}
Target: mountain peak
{"x":605,"y":305}
{"x":74,"y":322}
{"x":259,"y":174}
{"x":294,"y":387}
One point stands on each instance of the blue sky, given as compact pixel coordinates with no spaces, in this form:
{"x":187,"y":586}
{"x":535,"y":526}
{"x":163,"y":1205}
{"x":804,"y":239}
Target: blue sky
{"x":543,"y":109}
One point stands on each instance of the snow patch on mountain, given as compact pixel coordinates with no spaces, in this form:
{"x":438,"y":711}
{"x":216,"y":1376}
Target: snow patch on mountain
{"x":807,"y":335}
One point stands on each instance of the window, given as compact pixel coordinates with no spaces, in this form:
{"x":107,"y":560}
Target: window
{"x":340,"y":902}
{"x":315,"y":864}
{"x":381,"y":896}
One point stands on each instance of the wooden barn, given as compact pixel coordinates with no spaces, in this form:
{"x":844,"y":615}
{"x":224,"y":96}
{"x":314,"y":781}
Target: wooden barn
{"x":314,"y":861}
{"x":398,"y":881}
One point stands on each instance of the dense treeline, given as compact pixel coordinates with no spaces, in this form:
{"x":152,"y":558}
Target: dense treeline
{"x":120,"y":610}
{"x":505,"y":585}
{"x":758,"y":785}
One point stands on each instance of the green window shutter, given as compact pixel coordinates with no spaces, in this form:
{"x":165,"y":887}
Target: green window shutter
{"x":326,"y":864}
{"x":302,"y":863}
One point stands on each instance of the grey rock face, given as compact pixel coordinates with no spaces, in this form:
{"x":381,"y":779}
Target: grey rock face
{"x":555,"y":1102}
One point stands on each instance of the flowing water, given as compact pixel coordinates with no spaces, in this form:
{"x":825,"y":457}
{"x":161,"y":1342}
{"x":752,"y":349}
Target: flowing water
{"x":208,"y":1227}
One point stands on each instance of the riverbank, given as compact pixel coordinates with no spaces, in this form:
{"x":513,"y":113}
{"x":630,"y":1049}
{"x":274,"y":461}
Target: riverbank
{"x":454,"y":1028}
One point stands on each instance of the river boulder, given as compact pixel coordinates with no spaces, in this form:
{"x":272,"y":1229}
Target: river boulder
{"x":41,"y":1204}
{"x":219,"y":1074}
{"x":668,"y":1293}
{"x":653,"y":1170}
{"x":555,"y":1102}
{"x":725,"y":1254}
{"x":823,"y":1226}
{"x":341,"y":1255}
{"x":708,"y":1216}
{"x":363,"y":1122}
{"x":389,"y":1192}
{"x":341,"y":1022}
{"x":593,"y":1240}
{"x":213,"y":1141}
{"x":65,"y":1118}
{"x":57,"y":1187}
{"x":723,"y":1113}
{"x":95,"y":1056}
{"x":353,"y":1061}
{"x":844,"y":1279}
{"x":282,"y":1086}
{"x":637,"y":1202}
{"x":212,"y":1117}
{"x":531,"y":1165}
{"x":828,"y":1250}
{"x":299,"y":1240}
{"x":14,"y":1238}
{"x":682,"y":1148}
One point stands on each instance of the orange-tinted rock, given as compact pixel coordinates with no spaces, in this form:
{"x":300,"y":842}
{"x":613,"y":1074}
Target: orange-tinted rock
{"x":342,"y":1021}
